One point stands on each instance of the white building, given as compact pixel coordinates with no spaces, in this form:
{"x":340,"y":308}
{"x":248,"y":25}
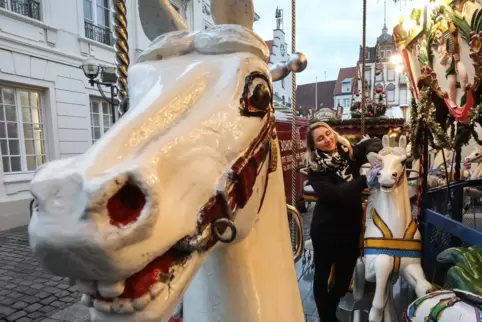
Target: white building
{"x":344,"y":90}
{"x":48,"y":110}
{"x":396,"y":89}
{"x":280,"y":53}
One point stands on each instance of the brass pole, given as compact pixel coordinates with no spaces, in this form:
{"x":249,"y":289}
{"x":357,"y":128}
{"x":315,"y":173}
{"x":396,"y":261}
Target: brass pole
{"x":121,"y":50}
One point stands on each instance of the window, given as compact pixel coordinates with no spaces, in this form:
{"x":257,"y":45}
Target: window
{"x":346,"y":102}
{"x":367,"y":55}
{"x":390,"y":95}
{"x":388,"y":54}
{"x":100,"y":118}
{"x":97,"y":21}
{"x":368,"y":76}
{"x":27,"y":8}
{"x":390,"y":74}
{"x":283,"y":83}
{"x":22,"y":140}
{"x":346,"y":87}
{"x":382,"y":54}
{"x":379,"y":77}
{"x":403,"y":95}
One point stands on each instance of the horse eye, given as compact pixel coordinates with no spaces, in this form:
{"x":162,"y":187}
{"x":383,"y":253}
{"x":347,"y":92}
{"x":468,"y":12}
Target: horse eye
{"x":476,"y":154}
{"x":261,"y":98}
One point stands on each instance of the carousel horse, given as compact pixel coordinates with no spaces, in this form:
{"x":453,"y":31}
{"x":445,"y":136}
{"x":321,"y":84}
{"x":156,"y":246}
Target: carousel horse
{"x":462,"y":303}
{"x":187,"y":187}
{"x":392,"y":240}
{"x":473,"y":193}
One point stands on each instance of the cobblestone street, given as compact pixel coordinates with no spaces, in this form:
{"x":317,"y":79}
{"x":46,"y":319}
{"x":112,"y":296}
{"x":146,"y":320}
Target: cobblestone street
{"x":27,"y":292}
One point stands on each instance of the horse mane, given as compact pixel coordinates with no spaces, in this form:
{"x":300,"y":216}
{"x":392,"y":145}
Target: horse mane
{"x":217,"y":40}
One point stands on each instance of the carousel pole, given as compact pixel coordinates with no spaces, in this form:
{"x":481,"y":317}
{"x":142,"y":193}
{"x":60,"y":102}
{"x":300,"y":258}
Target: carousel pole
{"x":294,"y":132}
{"x":122,"y":51}
{"x":363,"y":80}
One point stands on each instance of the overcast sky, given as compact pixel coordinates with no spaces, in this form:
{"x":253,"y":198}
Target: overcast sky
{"x":328,"y":34}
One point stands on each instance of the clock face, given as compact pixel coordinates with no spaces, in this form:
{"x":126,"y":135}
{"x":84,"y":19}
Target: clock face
{"x":282,"y":49}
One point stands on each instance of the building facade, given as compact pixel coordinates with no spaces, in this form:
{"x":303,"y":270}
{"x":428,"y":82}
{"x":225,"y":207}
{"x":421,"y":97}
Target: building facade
{"x":312,"y":97}
{"x":344,"y":89}
{"x":48,"y":109}
{"x":382,"y":73}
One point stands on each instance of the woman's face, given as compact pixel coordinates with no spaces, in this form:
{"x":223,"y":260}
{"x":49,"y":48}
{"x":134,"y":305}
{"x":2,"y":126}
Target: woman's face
{"x":325,"y":139}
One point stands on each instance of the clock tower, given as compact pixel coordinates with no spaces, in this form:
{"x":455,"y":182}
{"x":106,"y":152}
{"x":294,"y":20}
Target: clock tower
{"x":280,"y":52}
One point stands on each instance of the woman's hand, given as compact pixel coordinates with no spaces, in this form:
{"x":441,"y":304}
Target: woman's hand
{"x":372,"y":176}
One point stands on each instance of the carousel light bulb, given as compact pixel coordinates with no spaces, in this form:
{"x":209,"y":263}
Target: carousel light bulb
{"x":407,"y":24}
{"x":396,"y":60}
{"x":399,"y":69}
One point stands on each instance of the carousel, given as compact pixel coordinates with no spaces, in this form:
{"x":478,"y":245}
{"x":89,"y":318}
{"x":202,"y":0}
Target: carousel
{"x":139,"y":231}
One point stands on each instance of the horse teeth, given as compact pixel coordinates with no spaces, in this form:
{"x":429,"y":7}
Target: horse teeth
{"x":86,"y":287}
{"x":122,"y":306}
{"x":86,"y":300}
{"x":141,"y":302}
{"x":111,"y":290}
{"x":102,"y":305}
{"x":156,"y":289}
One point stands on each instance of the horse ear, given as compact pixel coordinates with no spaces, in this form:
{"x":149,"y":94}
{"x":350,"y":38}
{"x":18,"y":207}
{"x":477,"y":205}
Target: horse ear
{"x":374,"y":158}
{"x":159,"y":17}
{"x":402,"y":142}
{"x":233,"y":12}
{"x":386,"y":141}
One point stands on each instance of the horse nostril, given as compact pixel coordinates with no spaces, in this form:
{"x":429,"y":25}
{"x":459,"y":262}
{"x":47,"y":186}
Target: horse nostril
{"x":394,"y":174}
{"x":126,"y":205}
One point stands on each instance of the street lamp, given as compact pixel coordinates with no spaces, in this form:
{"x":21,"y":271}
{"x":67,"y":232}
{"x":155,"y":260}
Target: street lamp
{"x":92,"y":69}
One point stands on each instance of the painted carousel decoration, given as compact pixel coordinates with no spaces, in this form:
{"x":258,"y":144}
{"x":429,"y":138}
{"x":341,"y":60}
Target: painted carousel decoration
{"x":133,"y":223}
{"x":462,"y":301}
{"x":440,"y":45}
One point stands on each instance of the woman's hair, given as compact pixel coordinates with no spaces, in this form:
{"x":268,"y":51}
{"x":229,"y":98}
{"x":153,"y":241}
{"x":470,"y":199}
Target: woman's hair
{"x":310,"y":144}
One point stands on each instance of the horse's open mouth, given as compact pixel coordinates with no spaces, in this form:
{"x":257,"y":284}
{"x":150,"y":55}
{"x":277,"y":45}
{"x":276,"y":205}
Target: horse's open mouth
{"x":386,"y":188}
{"x":137,"y":291}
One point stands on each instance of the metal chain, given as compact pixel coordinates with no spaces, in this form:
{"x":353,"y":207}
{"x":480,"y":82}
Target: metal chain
{"x":121,"y":47}
{"x":294,"y":141}
{"x":363,"y":81}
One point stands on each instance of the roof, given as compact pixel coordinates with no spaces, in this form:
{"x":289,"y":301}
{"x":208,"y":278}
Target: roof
{"x":344,"y":73}
{"x":306,"y":95}
{"x":269,"y":43}
{"x":347,"y":80}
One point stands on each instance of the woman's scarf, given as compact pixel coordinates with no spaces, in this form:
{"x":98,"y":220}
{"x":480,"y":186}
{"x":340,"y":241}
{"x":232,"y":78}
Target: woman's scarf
{"x":336,"y":161}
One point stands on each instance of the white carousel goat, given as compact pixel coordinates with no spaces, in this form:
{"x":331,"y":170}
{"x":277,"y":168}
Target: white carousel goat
{"x":474,"y":193}
{"x":392,"y":239}
{"x":190,"y":175}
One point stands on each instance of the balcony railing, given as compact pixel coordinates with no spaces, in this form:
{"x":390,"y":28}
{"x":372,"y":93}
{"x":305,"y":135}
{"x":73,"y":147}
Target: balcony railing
{"x":102,"y":35}
{"x":27,"y":8}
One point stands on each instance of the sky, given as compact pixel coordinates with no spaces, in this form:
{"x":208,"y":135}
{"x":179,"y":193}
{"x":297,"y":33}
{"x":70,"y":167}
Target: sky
{"x":329,"y":35}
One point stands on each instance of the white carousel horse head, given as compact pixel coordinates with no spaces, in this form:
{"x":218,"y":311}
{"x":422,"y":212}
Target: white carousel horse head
{"x":134,"y":217}
{"x":392,"y":163}
{"x":475,"y":156}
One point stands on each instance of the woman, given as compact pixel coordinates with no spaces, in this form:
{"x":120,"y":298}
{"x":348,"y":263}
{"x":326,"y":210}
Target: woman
{"x":333,"y":172}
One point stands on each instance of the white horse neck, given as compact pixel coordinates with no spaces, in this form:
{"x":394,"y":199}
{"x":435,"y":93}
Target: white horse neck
{"x":477,"y":173}
{"x":254,"y":280}
{"x":393,"y":208}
